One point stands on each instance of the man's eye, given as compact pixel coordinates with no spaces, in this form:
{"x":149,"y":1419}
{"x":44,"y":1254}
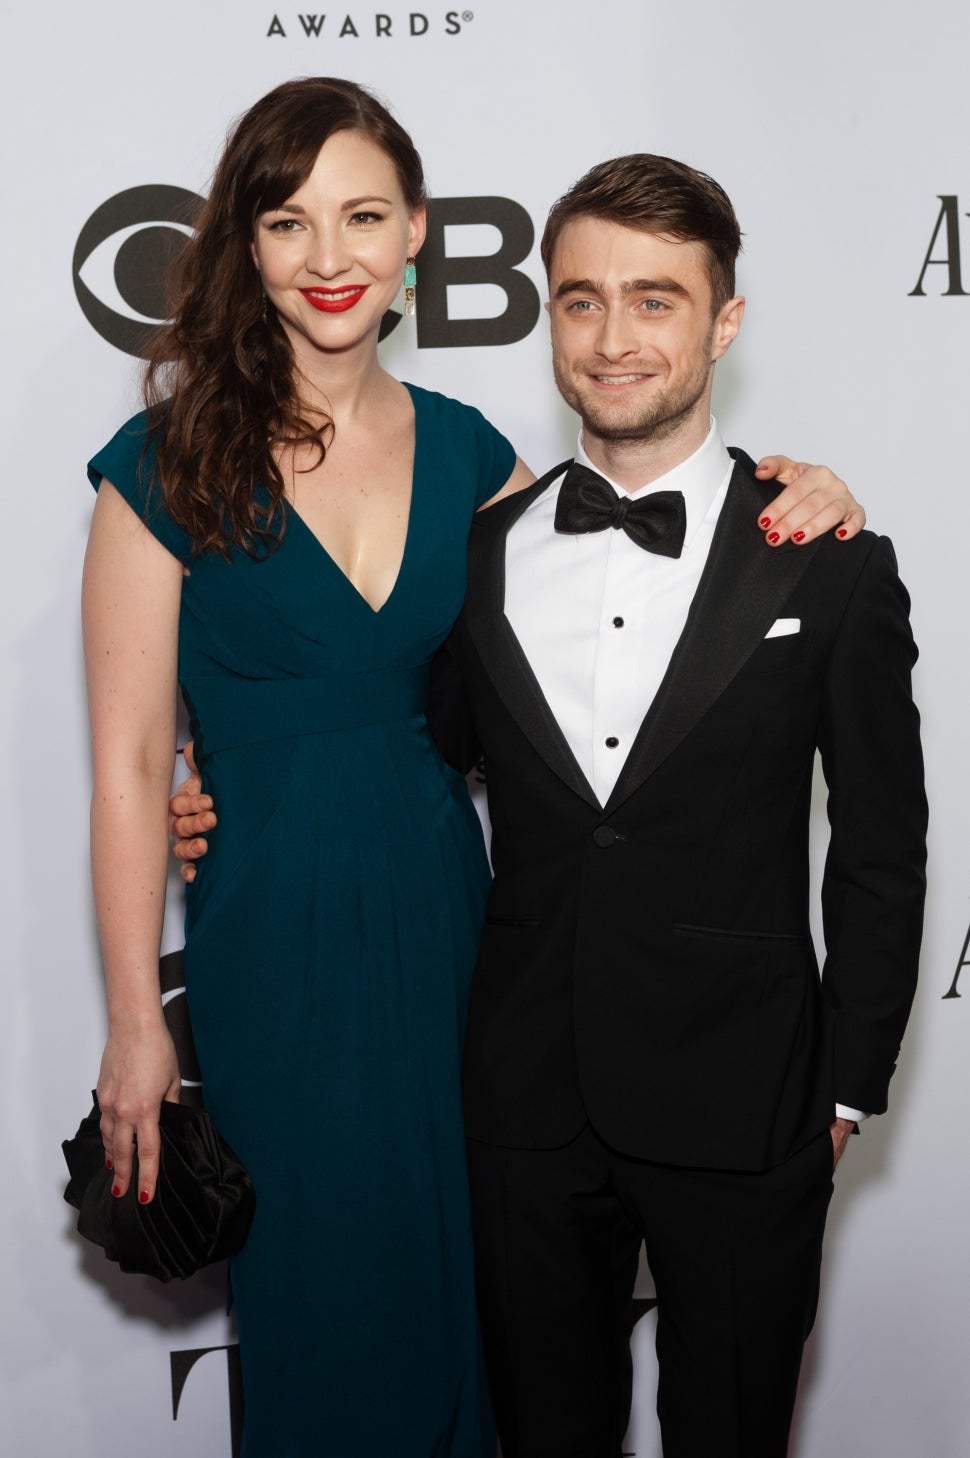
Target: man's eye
{"x":654,"y":306}
{"x":581,"y":306}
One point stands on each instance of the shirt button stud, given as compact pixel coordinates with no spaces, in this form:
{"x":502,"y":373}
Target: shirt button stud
{"x":618,"y":622}
{"x":612,"y":742}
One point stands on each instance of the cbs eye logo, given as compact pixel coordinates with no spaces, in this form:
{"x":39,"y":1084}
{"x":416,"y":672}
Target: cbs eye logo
{"x":121,"y":258}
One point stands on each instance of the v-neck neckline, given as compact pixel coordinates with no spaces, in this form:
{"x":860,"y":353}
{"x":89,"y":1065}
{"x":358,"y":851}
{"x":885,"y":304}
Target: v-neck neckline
{"x":294,"y":515}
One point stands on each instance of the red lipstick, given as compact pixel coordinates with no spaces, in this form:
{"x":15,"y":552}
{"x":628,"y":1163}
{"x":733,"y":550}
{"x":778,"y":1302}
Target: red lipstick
{"x":335,"y":301}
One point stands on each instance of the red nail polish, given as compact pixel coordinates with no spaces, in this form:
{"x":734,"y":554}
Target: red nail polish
{"x":798,"y":536}
{"x":116,"y":1190}
{"x":773,"y":537}
{"x":841,"y":532}
{"x":765,"y":521}
{"x":107,"y":1163}
{"x":143,"y":1197}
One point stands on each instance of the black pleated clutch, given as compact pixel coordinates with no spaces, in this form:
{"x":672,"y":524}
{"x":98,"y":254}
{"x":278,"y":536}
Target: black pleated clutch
{"x":203,"y":1204}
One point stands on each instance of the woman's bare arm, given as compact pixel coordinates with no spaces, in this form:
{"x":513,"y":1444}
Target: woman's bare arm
{"x":130,"y":606}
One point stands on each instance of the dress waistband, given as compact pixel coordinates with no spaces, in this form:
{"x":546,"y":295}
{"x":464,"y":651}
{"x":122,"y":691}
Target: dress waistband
{"x":225,"y":713}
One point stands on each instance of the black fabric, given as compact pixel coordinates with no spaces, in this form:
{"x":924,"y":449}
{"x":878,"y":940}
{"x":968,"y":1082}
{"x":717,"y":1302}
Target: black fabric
{"x":201,"y":1211}
{"x":448,"y":717}
{"x":735,"y":1259}
{"x":647,"y":971}
{"x":587,"y":503}
{"x":656,"y":952}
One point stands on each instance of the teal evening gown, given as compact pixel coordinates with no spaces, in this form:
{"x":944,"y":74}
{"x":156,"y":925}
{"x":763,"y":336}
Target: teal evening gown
{"x":330,"y":937}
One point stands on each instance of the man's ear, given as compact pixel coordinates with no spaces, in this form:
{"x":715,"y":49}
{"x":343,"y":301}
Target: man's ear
{"x":726,"y":327}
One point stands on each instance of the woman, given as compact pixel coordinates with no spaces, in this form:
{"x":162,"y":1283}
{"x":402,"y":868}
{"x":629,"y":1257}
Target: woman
{"x":285,"y":539}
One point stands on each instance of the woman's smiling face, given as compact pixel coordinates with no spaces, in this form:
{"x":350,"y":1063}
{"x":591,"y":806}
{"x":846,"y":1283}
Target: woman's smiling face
{"x":332,"y":256}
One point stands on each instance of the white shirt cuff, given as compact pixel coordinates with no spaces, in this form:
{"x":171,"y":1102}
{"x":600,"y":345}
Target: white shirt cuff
{"x":842,"y":1111}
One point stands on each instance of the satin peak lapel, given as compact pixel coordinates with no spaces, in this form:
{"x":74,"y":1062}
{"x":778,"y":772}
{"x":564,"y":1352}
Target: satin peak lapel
{"x":499,"y":648}
{"x":742,"y":589}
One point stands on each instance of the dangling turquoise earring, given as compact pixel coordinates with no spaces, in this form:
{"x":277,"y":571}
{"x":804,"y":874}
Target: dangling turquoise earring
{"x":410,"y":287}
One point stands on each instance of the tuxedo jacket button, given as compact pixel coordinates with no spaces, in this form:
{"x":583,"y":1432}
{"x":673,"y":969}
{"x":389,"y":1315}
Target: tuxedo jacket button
{"x":604,"y":836}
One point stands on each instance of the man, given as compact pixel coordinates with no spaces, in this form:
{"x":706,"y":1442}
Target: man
{"x":650,"y":1053}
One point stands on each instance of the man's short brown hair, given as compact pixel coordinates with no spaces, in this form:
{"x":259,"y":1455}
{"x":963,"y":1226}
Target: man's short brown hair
{"x":656,"y":195}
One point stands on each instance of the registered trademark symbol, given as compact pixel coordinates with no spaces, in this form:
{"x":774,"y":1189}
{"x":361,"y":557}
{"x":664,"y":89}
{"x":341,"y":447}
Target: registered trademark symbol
{"x":467,"y":15}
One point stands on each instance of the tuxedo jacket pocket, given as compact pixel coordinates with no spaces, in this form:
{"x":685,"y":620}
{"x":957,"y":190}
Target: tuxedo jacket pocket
{"x":780,"y":650}
{"x":735,"y":934}
{"x":784,"y":628}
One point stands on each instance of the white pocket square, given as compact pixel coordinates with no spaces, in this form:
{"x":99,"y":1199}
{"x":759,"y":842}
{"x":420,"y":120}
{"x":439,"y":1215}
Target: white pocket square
{"x":782,"y":627}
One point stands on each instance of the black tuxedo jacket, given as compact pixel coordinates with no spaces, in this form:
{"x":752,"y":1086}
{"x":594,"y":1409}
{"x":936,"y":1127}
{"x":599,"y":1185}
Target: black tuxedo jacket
{"x":648,"y":965}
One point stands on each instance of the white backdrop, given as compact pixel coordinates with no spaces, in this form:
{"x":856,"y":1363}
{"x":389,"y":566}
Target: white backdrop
{"x":837,"y":131}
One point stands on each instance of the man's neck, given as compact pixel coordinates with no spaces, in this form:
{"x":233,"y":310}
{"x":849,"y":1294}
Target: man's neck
{"x":633,"y":464}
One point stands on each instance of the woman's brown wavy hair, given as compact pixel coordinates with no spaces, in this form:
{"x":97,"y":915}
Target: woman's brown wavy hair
{"x":220,"y":385}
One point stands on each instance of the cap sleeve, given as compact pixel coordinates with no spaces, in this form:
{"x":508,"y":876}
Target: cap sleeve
{"x":496,"y":457}
{"x":128,"y":462}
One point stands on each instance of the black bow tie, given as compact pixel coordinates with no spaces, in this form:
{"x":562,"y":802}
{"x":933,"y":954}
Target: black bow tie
{"x":587,"y":503}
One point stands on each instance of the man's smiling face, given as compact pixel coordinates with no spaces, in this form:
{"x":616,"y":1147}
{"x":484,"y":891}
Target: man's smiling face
{"x":633,"y":336}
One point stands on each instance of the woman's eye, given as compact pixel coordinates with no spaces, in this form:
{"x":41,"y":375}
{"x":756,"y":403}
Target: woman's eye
{"x":365,"y":218}
{"x":280,"y":225}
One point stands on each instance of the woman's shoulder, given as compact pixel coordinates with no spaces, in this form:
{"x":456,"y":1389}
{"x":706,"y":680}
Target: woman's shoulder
{"x":128,"y":461}
{"x":130,"y":451}
{"x":445,"y":407}
{"x":457,"y":433}
{"x":445,"y":413}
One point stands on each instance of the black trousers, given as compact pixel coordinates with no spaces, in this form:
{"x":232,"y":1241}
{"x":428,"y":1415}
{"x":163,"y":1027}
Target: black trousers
{"x":735,"y":1258}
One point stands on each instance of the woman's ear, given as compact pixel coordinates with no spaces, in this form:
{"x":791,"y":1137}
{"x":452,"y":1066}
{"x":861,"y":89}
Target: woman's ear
{"x":417,"y":230}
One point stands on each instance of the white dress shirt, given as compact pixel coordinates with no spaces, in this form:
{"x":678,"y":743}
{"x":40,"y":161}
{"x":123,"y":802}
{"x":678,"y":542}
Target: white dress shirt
{"x":598,"y":617}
